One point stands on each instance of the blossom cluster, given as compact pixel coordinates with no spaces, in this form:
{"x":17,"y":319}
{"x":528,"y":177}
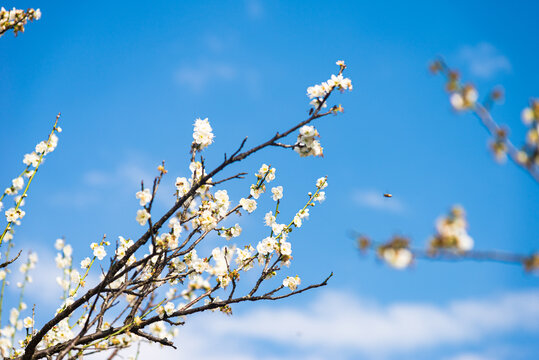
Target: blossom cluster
{"x":32,"y":161}
{"x":397,"y":253}
{"x":209,"y":213}
{"x":64,"y":261}
{"x":163,"y":275}
{"x":266,"y":174}
{"x":202,"y":135}
{"x":461,"y":97}
{"x":16,"y":323}
{"x":16,"y":19}
{"x":465,"y":97}
{"x":292,"y":282}
{"x":319,"y":92}
{"x":452,"y":232}
{"x":308,"y":143}
{"x":529,"y":154}
{"x":451,"y":237}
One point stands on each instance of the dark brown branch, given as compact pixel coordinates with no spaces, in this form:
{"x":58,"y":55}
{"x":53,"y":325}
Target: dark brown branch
{"x":286,"y":146}
{"x":152,"y":338}
{"x":3,"y":265}
{"x":118,"y":264}
{"x":237,"y":176}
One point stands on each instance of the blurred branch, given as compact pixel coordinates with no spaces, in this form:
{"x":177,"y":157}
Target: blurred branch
{"x":530,"y":262}
{"x":464,"y":97}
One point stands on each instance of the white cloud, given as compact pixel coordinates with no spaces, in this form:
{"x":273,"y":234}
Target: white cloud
{"x":96,"y":184}
{"x":76,"y":199}
{"x":43,"y":291}
{"x":340,"y":325}
{"x":470,"y":356}
{"x":127,"y":173}
{"x":221,"y":42}
{"x":495,"y":351}
{"x":95,"y":178}
{"x":484,"y":60}
{"x":375,"y":199}
{"x":198,"y":77}
{"x":342,"y":321}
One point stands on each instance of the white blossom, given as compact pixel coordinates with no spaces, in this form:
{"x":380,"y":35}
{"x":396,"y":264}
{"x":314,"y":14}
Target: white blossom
{"x":28,"y":322}
{"x":398,"y":258}
{"x":269,"y":219}
{"x":31,"y":159}
{"x":142,"y":216}
{"x":266,"y":246}
{"x":169,"y":308}
{"x":528,"y":115}
{"x":84,"y":264}
{"x":12,"y":215}
{"x":59,"y":244}
{"x":145,"y":196}
{"x":18,"y":183}
{"x":202,"y":133}
{"x":285,"y":248}
{"x":320,"y":196}
{"x":306,"y":144}
{"x":182,"y":186}
{"x":292,"y":282}
{"x":248,"y":204}
{"x":99,"y":252}
{"x":277,"y":193}
{"x":322,"y":183}
{"x":266,"y":172}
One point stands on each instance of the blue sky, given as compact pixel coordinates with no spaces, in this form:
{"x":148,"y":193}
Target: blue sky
{"x":130,"y":78}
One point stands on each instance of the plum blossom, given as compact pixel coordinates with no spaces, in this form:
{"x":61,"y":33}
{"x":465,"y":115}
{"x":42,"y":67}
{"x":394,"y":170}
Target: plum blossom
{"x":398,"y":258}
{"x":277,"y":193}
{"x":266,"y":246}
{"x":99,"y":252}
{"x":182,"y":186}
{"x":145,"y":196}
{"x":292,"y":282}
{"x":28,"y":322}
{"x":307,"y":143}
{"x":143,"y":216}
{"x":248,"y":204}
{"x":269,"y":219}
{"x":202,"y":133}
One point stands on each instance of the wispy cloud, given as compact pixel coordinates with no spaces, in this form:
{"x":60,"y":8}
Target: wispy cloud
{"x":254,"y":9}
{"x":340,"y":320}
{"x":497,"y":351}
{"x":219,"y":43}
{"x":78,"y":198}
{"x":96,"y":183}
{"x":484,"y":60}
{"x":340,"y":325}
{"x":375,"y":199}
{"x":471,"y":356}
{"x":44,"y":291}
{"x":126,"y":173}
{"x":198,"y":77}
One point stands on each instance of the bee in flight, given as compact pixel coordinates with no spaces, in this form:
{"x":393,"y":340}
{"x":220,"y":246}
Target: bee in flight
{"x":388,"y":195}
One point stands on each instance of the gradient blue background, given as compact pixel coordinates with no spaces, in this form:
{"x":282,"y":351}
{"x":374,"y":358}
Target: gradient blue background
{"x":131,"y":77}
